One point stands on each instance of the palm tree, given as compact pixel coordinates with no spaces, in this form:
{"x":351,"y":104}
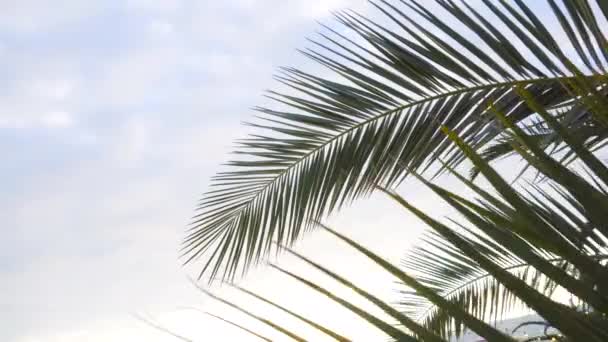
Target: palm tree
{"x":479,"y":269}
{"x":423,"y":94}
{"x":377,"y":118}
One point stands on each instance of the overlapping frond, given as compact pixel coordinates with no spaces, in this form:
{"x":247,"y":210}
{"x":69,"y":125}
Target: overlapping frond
{"x":518,"y":245}
{"x":392,"y":83}
{"x":456,"y":277}
{"x":287,"y":332}
{"x":546,"y":236}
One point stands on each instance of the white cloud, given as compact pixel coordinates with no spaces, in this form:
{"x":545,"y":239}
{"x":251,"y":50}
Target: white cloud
{"x":323,"y":8}
{"x":37,"y":92}
{"x":57,"y":119}
{"x":160,"y":27}
{"x":157,"y":6}
{"x":22,"y":118}
{"x":33,"y":15}
{"x":52,"y":89}
{"x":158,"y":114}
{"x":133,"y":141}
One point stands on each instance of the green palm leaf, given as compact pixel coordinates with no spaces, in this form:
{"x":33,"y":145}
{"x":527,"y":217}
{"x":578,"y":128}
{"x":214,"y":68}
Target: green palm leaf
{"x":458,"y":278}
{"x":379,"y":323}
{"x":330,"y":140}
{"x":323,"y":329}
{"x":292,"y":335}
{"x":565,"y":222}
{"x":477,"y":325}
{"x":417,"y":329}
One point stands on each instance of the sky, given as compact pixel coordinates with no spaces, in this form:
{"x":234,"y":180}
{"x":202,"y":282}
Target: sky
{"x":113,"y":117}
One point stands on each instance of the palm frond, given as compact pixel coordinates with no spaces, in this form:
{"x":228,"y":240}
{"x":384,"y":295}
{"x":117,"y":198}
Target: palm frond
{"x":287,"y":332}
{"x":408,"y":323}
{"x":512,"y":231}
{"x":379,"y":323}
{"x":153,"y":324}
{"x":568,"y":319}
{"x":477,"y":325}
{"x":456,"y":277}
{"x":329,"y":140}
{"x":240,"y":327}
{"x":323,"y":329}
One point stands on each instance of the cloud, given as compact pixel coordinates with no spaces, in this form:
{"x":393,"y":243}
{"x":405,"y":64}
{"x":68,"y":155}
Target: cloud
{"x":26,"y":118}
{"x":57,"y":119}
{"x":160,"y":27}
{"x":155,"y":6}
{"x":320,"y":9}
{"x":31,"y":16}
{"x":37,"y":92}
{"x":109,"y":140}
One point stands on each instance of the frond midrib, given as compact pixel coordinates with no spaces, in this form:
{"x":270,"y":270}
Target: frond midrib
{"x":390,"y":112}
{"x":482,"y":276}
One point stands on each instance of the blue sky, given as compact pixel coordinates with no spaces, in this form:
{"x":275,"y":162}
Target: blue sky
{"x":113,"y":116}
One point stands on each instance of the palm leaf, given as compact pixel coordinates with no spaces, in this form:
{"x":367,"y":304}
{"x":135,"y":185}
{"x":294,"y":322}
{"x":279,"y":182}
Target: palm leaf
{"x":417,"y":329}
{"x":330,"y":140}
{"x":236,"y":325}
{"x":529,"y":222}
{"x":569,"y":321}
{"x":379,"y":323}
{"x":506,"y":227}
{"x":458,"y":278}
{"x":292,"y":335}
{"x":151,"y":323}
{"x":323,"y":329}
{"x":477,"y":325}
{"x":569,"y":222}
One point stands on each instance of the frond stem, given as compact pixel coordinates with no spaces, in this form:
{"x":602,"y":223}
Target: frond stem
{"x":486,"y":275}
{"x":393,"y":111}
